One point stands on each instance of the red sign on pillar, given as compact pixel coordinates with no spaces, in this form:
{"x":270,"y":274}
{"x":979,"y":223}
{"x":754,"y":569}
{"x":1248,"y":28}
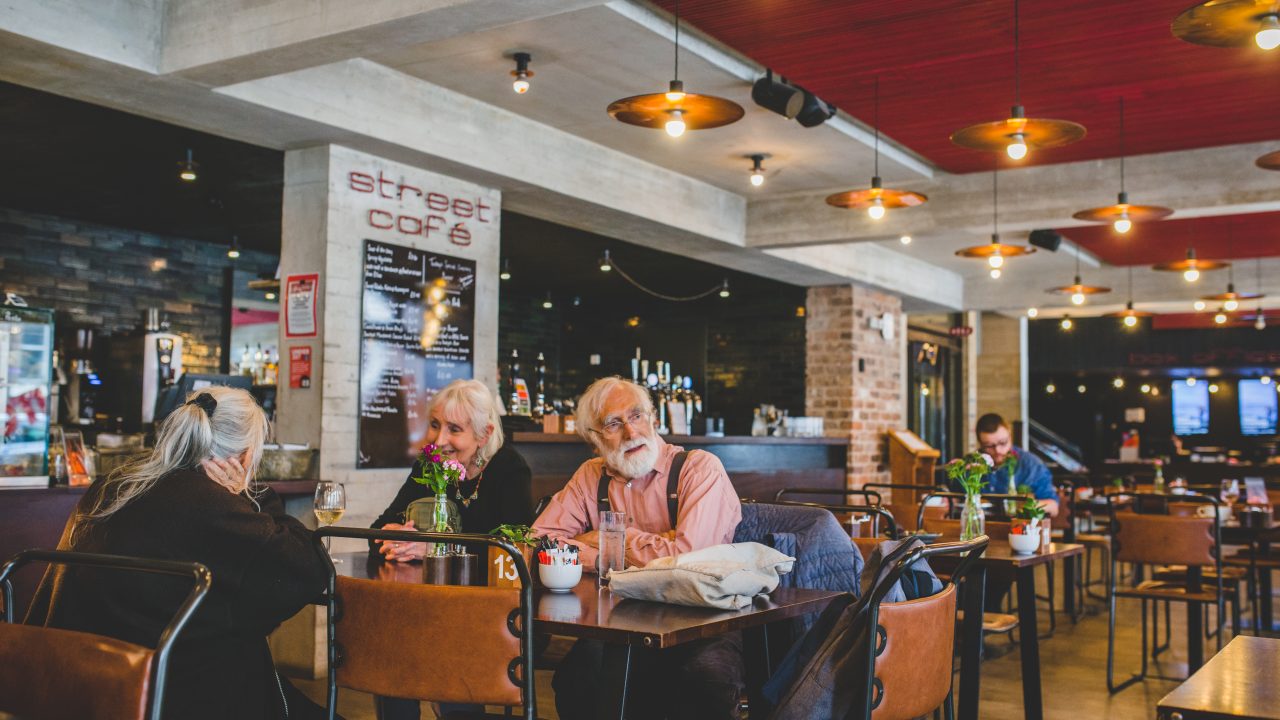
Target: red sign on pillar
{"x":300,"y":366}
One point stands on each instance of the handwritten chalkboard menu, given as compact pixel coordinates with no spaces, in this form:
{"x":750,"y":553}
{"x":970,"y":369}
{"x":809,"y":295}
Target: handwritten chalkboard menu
{"x":416,"y":336}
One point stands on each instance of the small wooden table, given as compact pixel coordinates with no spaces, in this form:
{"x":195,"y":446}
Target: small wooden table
{"x":997,"y":555}
{"x":1238,"y":682}
{"x":589,"y":612}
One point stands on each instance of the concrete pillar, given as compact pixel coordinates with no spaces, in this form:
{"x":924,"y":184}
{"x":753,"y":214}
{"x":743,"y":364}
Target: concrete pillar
{"x":854,"y":374}
{"x":1000,"y":368}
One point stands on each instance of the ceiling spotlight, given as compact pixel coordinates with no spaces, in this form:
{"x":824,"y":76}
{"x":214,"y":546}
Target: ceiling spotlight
{"x":1051,"y":388}
{"x":814,"y":111}
{"x":1213,"y":387}
{"x":506,"y":270}
{"x":1081,"y":388}
{"x":757,"y":169}
{"x":1198,"y":305}
{"x":1220,"y":318}
{"x":1117,"y":383}
{"x":605,"y":263}
{"x":547,"y":304}
{"x":724,"y":288}
{"x":905,"y":239}
{"x":777,"y":95}
{"x":233,"y":250}
{"x":522,"y":73}
{"x":187,"y":168}
{"x":1145,"y":388}
{"x":1066,"y":323}
{"x":1191,"y":381}
{"x":995,"y":273}
{"x":1032,"y":312}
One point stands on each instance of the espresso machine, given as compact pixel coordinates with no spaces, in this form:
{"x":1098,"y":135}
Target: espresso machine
{"x":83,"y":383}
{"x":161,"y":362}
{"x":143,"y":362}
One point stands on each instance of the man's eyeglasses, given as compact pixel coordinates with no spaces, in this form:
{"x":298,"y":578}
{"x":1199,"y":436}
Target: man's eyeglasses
{"x":995,"y":445}
{"x":613,"y":428}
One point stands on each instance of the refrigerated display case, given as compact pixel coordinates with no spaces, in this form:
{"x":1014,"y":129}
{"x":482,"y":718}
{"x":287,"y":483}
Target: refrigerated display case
{"x":26,"y":367}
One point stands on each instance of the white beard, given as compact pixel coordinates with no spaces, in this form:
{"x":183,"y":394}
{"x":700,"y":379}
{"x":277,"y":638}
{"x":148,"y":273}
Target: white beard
{"x":635,"y":465}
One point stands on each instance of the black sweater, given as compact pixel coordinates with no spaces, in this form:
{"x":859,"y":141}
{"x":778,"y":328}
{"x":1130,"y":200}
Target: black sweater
{"x":506,"y":495}
{"x":265,"y":569}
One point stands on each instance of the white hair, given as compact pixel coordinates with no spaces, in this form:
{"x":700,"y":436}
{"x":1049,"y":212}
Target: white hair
{"x":186,"y":438}
{"x":587,"y":419}
{"x":473,"y":400}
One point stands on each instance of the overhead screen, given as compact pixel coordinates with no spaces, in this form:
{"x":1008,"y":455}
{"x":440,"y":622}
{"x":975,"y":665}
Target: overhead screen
{"x":1190,"y":408}
{"x":1258,"y":407}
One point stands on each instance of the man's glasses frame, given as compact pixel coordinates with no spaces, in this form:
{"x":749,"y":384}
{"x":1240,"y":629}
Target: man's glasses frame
{"x":613,"y":428}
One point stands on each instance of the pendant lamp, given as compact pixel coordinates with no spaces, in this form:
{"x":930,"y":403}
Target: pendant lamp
{"x":1122,"y":215}
{"x":876,"y":199}
{"x":1078,"y":290}
{"x":995,"y":251}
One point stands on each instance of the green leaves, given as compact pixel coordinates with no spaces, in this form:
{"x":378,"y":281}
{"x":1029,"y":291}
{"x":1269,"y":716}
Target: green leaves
{"x":517,"y":534}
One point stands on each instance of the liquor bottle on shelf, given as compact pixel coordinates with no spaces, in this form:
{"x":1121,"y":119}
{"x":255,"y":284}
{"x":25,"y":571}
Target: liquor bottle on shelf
{"x":513,"y":371}
{"x":540,"y":398}
{"x":635,"y":367}
{"x":692,"y":404}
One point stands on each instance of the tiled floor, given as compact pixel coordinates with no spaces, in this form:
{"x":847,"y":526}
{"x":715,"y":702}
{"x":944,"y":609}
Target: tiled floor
{"x":1073,"y":673}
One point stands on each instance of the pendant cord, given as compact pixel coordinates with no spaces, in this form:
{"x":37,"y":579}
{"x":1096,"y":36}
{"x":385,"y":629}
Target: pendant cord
{"x":1017,"y":63}
{"x":995,"y":203}
{"x":877,"y":121}
{"x":677,"y":50}
{"x":1121,"y":143}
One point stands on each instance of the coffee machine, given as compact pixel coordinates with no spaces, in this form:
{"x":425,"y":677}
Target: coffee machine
{"x":144,"y":362}
{"x":161,"y":362}
{"x":83,"y":383}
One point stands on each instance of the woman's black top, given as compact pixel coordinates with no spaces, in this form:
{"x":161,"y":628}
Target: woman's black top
{"x":265,"y":569}
{"x":505,"y":497}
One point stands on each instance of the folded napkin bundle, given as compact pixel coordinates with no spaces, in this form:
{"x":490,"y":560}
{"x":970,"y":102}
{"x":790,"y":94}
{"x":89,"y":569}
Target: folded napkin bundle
{"x":720,"y":576}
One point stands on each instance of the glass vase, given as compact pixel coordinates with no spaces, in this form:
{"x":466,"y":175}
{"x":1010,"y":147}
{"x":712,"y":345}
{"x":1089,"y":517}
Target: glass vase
{"x":435,"y":514}
{"x":972,"y":520}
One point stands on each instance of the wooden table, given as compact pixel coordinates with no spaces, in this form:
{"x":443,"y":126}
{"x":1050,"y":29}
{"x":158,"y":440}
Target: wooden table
{"x":1238,"y":682}
{"x":1000,"y":555}
{"x":595,"y":613}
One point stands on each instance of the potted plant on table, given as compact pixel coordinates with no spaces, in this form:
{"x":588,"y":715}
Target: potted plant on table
{"x":436,"y":513}
{"x":1030,"y":521}
{"x":968,"y":472}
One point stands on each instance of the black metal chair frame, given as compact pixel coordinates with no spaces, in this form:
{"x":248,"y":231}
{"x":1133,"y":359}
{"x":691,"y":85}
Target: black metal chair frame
{"x":952,"y":496}
{"x":871,"y":496}
{"x":1193,"y":576}
{"x":970,"y":550}
{"x":878,"y":514}
{"x":160,"y":659}
{"x":524,"y":632}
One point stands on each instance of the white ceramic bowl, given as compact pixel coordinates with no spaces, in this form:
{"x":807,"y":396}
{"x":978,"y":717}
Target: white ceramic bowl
{"x":1024,"y":544}
{"x":560,"y":578}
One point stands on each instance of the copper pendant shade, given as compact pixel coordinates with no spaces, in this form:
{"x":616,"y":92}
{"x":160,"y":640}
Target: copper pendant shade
{"x":993,"y":248}
{"x":1231,"y":294}
{"x":1123,"y":214}
{"x":877,"y":195}
{"x":1080,"y":288}
{"x":676,"y":110}
{"x":1228,"y":23}
{"x":1191,"y":262}
{"x":1270,"y":161}
{"x":1130,"y":312}
{"x":1018,"y":133}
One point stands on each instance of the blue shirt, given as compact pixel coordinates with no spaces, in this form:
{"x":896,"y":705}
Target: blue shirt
{"x":1031,"y":472}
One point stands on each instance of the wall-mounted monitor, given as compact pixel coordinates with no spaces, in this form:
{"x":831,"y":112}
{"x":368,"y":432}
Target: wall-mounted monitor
{"x":1190,"y":408}
{"x":1258,"y":407}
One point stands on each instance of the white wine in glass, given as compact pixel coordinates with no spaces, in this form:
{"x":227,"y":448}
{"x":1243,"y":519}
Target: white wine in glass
{"x":330,"y":503}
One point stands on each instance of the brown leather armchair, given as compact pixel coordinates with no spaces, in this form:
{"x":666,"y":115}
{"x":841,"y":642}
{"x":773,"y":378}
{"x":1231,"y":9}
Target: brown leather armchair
{"x":112,"y":679}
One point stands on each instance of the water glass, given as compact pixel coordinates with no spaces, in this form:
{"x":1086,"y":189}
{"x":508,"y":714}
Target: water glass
{"x":613,"y":541}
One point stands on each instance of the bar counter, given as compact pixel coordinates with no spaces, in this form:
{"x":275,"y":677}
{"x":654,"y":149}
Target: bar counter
{"x":758,"y":466}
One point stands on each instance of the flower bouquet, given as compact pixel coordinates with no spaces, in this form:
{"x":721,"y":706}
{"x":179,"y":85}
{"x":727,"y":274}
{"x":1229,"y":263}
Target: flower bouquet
{"x":436,"y":513}
{"x":968,"y":472}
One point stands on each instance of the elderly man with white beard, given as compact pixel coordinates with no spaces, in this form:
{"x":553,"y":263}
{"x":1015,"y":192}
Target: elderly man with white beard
{"x":632,"y":474}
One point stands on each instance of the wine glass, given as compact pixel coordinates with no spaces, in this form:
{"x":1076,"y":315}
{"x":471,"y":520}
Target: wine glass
{"x":1230,"y":493}
{"x":330,"y":503}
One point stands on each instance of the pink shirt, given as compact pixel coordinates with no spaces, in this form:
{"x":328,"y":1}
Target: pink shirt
{"x":709,"y":508}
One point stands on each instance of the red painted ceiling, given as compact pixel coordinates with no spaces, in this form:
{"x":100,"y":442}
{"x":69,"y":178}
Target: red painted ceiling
{"x":947,"y":64}
{"x":1232,"y":237}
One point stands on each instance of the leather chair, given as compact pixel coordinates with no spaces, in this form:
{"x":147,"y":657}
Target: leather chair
{"x":1162,"y":539}
{"x":910,"y":660}
{"x":55,"y":673}
{"x":383,"y":637}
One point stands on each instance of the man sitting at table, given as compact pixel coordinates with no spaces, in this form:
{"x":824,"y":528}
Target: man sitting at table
{"x":995,"y":440}
{"x":700,"y":679}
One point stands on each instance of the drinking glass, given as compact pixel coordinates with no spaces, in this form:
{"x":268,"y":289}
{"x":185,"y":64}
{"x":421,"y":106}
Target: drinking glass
{"x":613,"y":541}
{"x":1230,"y":493}
{"x":330,"y":503}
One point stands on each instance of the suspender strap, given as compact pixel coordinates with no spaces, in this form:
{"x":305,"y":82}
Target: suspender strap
{"x":673,"y":488}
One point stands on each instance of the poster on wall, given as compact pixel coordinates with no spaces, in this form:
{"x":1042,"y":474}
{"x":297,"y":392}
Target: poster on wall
{"x":417,"y":334}
{"x":300,"y":304}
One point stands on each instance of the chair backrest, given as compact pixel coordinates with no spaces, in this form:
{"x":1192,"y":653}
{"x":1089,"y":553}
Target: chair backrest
{"x":911,"y":655}
{"x":416,"y":641}
{"x":51,"y":672}
{"x":869,"y":497}
{"x":1163,"y":539}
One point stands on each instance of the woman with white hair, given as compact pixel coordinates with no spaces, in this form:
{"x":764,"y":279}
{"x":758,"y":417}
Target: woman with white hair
{"x":463,"y":421}
{"x":190,"y":499}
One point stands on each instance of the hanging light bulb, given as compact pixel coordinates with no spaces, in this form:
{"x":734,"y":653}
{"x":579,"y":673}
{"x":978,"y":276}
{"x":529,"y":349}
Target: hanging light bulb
{"x":522,"y":73}
{"x":1260,"y":322}
{"x":1032,"y":312}
{"x":1231,"y":305}
{"x":547,"y":304}
{"x":996,"y":260}
{"x":1213,"y":387}
{"x":675,"y":125}
{"x":1265,"y":379}
{"x":876,"y":208}
{"x":1077,"y":298}
{"x":1051,"y":388}
{"x":506,"y":270}
{"x":757,"y":178}
{"x":1191,"y":381}
{"x":1198,"y":305}
{"x":605,"y":263}
{"x":995,"y":273}
{"x":905,"y":239}
{"x":187,"y":168}
{"x":1130,"y":321}
{"x":724,"y":288}
{"x":1066,"y":323}
{"x":757,"y":168}
{"x":233,"y":251}
{"x":1123,"y":224}
{"x":1191,"y":275}
{"x":1268,"y":36}
{"x":1145,"y":388}
{"x":1017,"y":147}
{"x":1081,"y":388}
{"x":1117,"y":383}
{"x":1220,"y":318}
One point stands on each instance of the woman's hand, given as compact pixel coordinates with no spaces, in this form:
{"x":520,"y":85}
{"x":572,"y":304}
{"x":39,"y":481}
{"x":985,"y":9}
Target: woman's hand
{"x":228,"y":473}
{"x":395,"y":551}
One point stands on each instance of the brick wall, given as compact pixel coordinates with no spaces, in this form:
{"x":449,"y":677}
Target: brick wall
{"x":853,"y":376}
{"x":105,"y":278}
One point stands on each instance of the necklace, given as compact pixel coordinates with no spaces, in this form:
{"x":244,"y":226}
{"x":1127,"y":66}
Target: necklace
{"x":466,"y":501}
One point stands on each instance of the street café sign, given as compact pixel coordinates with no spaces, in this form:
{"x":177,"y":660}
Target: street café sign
{"x":405,"y":209}
{"x":1215,"y":356}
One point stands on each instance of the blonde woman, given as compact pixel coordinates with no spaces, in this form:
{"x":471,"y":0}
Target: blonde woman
{"x":464,"y":422}
{"x":189,"y":499}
